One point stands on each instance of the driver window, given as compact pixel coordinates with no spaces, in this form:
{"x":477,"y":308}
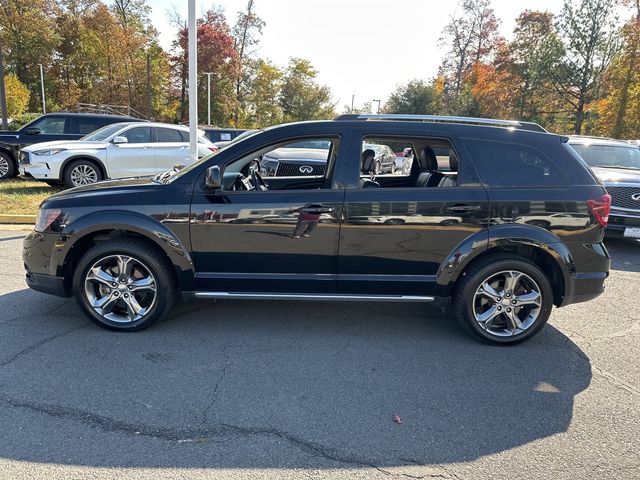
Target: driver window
{"x":295,"y":164}
{"x":50,"y":125}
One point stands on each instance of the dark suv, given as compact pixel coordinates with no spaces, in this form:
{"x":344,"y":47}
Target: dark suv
{"x":513,"y":227}
{"x":48,"y":128}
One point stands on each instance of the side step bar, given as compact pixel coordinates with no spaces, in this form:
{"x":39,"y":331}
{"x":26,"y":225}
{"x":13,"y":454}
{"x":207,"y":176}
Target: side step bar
{"x":311,"y":296}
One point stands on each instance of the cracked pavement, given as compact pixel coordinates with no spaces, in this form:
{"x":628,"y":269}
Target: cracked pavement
{"x":308,"y":390}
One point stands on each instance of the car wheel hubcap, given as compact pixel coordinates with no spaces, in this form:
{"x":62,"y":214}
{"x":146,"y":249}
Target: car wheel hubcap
{"x":120,"y":288}
{"x":507,"y":303}
{"x":4,"y":166}
{"x":83,"y":175}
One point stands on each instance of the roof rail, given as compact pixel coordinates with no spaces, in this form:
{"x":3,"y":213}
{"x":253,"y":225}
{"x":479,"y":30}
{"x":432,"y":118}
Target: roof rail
{"x":515,"y":124}
{"x":594,"y":137}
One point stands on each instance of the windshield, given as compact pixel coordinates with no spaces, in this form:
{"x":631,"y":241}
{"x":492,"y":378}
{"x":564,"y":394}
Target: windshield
{"x":609,"y":156}
{"x":170,"y":176}
{"x":103,"y":133}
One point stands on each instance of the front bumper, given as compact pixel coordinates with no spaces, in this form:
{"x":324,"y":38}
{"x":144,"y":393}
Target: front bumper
{"x":621,"y":219}
{"x":42,"y":270}
{"x":39,"y":171}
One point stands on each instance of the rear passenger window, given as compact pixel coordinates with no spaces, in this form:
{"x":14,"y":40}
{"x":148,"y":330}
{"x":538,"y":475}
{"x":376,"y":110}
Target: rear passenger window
{"x":514,"y":165}
{"x":87,"y":126}
{"x":169,"y":135}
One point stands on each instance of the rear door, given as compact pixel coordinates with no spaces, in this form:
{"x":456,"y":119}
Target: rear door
{"x":395,"y":238}
{"x":171,"y":148}
{"x":136,"y":158}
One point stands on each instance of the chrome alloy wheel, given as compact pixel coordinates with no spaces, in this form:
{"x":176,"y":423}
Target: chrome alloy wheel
{"x":83,"y":175}
{"x":4,"y":166}
{"x":507,"y":303}
{"x":120,"y":288}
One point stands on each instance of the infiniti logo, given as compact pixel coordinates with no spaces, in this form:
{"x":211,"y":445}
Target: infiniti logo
{"x":306,"y":169}
{"x":636,"y":197}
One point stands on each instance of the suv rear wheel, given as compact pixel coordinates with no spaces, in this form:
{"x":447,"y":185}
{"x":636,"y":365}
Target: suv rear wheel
{"x":503,"y":299}
{"x":81,"y":172}
{"x":124,"y":285}
{"x":7,"y":167}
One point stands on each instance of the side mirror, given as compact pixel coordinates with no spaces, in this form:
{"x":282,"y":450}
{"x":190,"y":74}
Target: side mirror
{"x":119,"y":140}
{"x":33,"y":131}
{"x":213,"y":177}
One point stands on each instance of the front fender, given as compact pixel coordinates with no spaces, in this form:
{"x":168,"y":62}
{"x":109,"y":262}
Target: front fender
{"x":127,"y":221}
{"x":506,"y":238}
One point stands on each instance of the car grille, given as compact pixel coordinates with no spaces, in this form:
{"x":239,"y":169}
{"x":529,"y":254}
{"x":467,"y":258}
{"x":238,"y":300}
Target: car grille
{"x":621,"y":197}
{"x":23,"y":158}
{"x":293,"y":170}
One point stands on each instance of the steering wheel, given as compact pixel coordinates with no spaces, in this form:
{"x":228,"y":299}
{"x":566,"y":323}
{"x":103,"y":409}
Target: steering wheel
{"x":258,"y":181}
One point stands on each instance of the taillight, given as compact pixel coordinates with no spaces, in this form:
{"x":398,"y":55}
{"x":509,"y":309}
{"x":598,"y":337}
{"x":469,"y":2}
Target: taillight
{"x":600,"y":208}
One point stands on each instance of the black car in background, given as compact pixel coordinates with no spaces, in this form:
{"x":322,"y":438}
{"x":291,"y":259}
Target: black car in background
{"x":221,"y":136}
{"x":48,"y":128}
{"x":617,"y":164}
{"x":513,"y":227}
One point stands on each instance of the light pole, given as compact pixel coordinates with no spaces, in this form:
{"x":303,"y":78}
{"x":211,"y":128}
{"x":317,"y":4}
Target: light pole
{"x":353,"y":100}
{"x":3,"y":98}
{"x":193,"y":82}
{"x":44,"y":102}
{"x":378,"y":102}
{"x":208,"y":74}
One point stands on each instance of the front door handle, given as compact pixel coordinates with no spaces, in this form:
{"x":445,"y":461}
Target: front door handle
{"x":463,"y":208}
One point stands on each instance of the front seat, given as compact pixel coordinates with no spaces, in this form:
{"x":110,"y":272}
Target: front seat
{"x":451,"y":180}
{"x":429,"y":174}
{"x":367,"y":167}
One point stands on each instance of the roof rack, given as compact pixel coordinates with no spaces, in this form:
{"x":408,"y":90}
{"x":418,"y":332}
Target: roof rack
{"x":515,"y":124}
{"x":594,"y":137}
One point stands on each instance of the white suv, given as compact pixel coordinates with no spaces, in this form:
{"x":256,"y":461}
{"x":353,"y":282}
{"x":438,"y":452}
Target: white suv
{"x":130,"y":149}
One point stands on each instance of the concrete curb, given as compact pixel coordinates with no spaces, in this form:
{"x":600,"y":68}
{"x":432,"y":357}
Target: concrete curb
{"x":18,"y":219}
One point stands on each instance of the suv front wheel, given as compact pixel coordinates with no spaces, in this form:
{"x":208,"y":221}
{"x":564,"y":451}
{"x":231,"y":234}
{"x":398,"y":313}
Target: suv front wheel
{"x":503,"y":299}
{"x":124,"y":285}
{"x":81,"y":172}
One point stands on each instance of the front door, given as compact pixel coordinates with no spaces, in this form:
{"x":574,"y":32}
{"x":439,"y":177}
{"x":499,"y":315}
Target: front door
{"x":136,"y":158}
{"x":283,"y":239}
{"x":398,"y":230}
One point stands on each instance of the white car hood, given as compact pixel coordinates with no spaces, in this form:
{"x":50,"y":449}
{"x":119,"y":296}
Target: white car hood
{"x":67,"y":144}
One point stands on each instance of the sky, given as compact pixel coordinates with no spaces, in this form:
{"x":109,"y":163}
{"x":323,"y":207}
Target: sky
{"x":365,"y":48}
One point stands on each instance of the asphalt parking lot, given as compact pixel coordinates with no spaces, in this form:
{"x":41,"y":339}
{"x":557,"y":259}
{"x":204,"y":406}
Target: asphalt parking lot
{"x":297,"y":390}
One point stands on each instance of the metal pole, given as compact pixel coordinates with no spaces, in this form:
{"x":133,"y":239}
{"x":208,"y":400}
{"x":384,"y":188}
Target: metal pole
{"x":44,"y":102}
{"x":3,"y":98}
{"x":353,"y":100}
{"x":149,"y":108}
{"x":193,"y":82}
{"x":378,"y":101}
{"x":208,"y":74}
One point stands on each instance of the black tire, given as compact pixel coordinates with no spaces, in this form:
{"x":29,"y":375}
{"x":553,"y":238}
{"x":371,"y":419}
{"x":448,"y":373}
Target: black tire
{"x":82,"y":165}
{"x":470,"y":281}
{"x":7,"y":166}
{"x":147,"y":255}
{"x":377,"y":169}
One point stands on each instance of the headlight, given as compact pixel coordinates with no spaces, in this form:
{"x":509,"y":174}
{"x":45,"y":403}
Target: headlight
{"x":48,"y":153}
{"x":50,"y":219}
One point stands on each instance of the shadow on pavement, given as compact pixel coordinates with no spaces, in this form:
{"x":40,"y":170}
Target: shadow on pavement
{"x":272,"y":385}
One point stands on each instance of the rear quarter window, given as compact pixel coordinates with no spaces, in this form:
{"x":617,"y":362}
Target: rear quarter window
{"x":504,"y":164}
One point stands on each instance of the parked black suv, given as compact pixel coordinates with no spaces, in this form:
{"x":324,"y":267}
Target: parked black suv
{"x":48,"y":128}
{"x":217,"y":229}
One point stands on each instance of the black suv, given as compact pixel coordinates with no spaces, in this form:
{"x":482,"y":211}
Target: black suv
{"x":48,"y":128}
{"x":513,"y":226}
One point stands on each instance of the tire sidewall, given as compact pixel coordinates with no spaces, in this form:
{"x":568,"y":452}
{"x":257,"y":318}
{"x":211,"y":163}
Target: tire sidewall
{"x":162,"y":285}
{"x":69,"y":168}
{"x":468,"y":293}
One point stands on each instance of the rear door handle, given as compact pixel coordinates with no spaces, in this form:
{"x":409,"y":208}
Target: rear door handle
{"x":463,"y":208}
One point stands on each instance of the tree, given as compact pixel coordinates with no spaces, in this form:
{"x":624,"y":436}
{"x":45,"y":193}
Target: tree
{"x":416,"y":97}
{"x":590,"y":37}
{"x":246,"y":34}
{"x":263,"y":100}
{"x":28,"y":38}
{"x":301,"y":97}
{"x":470,"y":37}
{"x":17,"y":95}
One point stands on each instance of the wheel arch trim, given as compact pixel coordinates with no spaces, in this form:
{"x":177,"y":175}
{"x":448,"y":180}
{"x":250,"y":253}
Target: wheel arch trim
{"x":83,"y":156}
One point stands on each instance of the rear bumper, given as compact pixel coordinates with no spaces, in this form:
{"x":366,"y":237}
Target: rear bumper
{"x":42,"y":270}
{"x":588,"y":283}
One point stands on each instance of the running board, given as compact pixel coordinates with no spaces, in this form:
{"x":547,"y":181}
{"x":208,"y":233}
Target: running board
{"x":311,"y":296}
